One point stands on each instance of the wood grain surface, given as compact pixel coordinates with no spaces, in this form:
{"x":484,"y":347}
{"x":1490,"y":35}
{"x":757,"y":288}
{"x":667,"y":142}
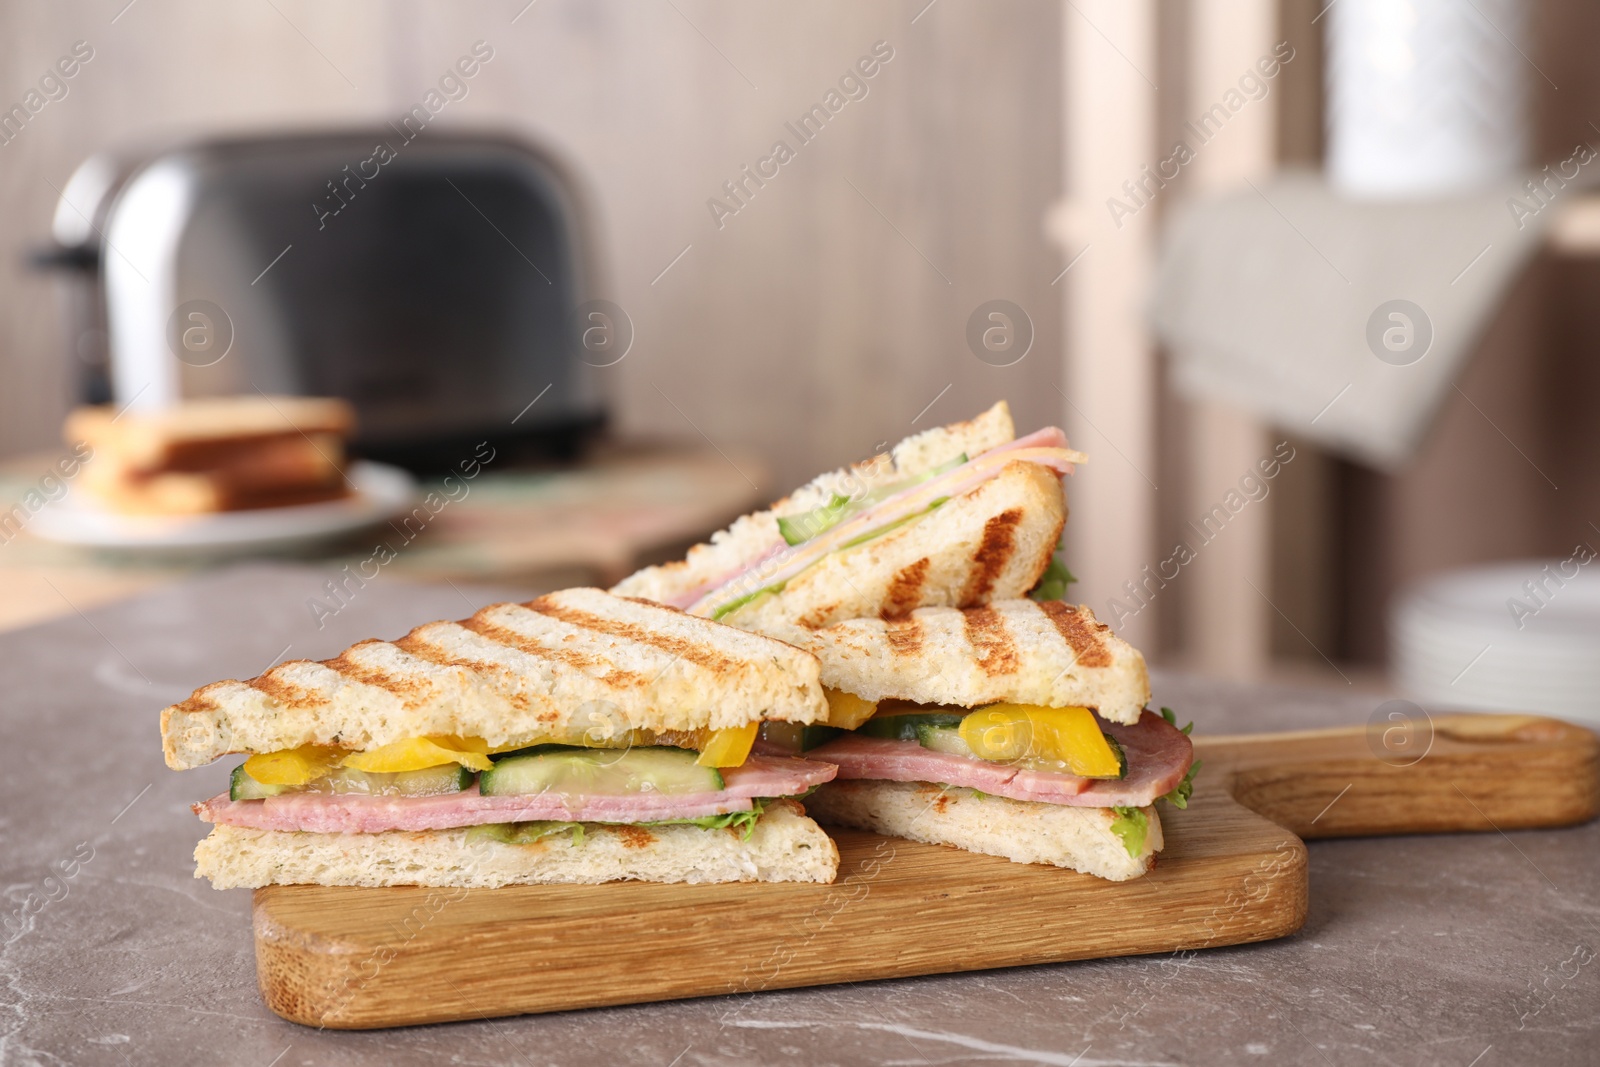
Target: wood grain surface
{"x":362,"y":958}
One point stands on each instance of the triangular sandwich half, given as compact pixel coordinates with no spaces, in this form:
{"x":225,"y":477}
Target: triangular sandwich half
{"x":580,"y":737}
{"x":956,"y":516}
{"x":1017,"y":729}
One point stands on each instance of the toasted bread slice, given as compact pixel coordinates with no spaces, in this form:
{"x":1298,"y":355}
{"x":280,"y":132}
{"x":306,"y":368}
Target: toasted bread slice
{"x":180,"y":436}
{"x":563,"y":665}
{"x":751,"y":536}
{"x":1017,"y":651}
{"x":1020,"y":830}
{"x":993,"y":543}
{"x":783,"y":846}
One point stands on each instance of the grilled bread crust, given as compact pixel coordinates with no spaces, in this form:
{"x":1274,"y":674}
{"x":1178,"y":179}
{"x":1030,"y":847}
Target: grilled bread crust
{"x":1022,"y":831}
{"x":1017,"y":651}
{"x":573,"y":661}
{"x":993,"y":543}
{"x":784,"y":846}
{"x":753,"y":535}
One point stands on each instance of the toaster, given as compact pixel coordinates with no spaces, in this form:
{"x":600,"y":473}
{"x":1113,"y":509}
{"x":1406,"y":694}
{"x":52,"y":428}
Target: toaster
{"x":443,"y":284}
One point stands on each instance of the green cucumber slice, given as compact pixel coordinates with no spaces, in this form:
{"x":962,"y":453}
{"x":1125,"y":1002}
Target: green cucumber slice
{"x":808,"y":524}
{"x":904,"y":727}
{"x":943,"y":739}
{"x":429,"y":782}
{"x":605,"y":771}
{"x":797,"y":737}
{"x":799,"y":528}
{"x":243,"y":787}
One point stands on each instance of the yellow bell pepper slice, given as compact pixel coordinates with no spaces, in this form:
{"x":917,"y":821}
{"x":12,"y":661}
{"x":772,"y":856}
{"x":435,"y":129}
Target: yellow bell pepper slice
{"x":420,"y":753}
{"x":293,"y":766}
{"x":846,"y":710}
{"x":730,"y":747}
{"x":1005,"y":732}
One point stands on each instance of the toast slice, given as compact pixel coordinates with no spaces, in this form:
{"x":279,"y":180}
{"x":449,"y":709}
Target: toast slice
{"x":192,"y":435}
{"x":1017,"y":651}
{"x":1081,"y":839}
{"x":741,"y":544}
{"x":561,"y":666}
{"x":783,"y":846}
{"x":990,"y":541}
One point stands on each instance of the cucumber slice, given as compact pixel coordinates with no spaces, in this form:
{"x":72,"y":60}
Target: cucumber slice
{"x":816,"y":736}
{"x":797,"y":737}
{"x":803,"y":526}
{"x":903,"y":727}
{"x":808,"y":524}
{"x":430,"y":782}
{"x":584,"y":770}
{"x":243,"y":787}
{"x":943,"y":739}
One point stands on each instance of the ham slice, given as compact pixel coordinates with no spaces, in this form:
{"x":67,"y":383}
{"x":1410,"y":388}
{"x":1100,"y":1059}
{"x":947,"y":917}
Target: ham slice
{"x":1158,"y":754}
{"x":780,"y":562}
{"x":761,"y":776}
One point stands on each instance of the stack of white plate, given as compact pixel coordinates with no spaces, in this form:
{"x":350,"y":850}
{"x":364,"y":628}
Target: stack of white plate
{"x":1461,"y":639}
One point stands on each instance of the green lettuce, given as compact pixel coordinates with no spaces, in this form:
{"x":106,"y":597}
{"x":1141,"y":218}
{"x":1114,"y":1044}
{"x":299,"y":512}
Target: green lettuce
{"x":737,"y":820}
{"x":527,"y":833}
{"x":1179,"y":797}
{"x":1132,"y":825}
{"x":1053,"y":585}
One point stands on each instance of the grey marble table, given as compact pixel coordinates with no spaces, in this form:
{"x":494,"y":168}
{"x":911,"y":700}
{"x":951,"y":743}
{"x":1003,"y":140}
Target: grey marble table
{"x":1467,"y":950}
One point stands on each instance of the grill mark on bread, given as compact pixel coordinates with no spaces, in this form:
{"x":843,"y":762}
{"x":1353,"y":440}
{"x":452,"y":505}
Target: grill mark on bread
{"x":905,"y":590}
{"x":570,"y":657}
{"x":423,"y":649}
{"x":904,"y":636}
{"x":404,"y":688}
{"x":634,"y":836}
{"x":676,"y":646}
{"x":817,"y":618}
{"x":1084,"y":638}
{"x":991,"y":641}
{"x":283,"y":691}
{"x":995,"y":549}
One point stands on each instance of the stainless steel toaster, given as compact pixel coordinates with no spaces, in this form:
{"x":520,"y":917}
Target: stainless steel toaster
{"x":443,"y":283}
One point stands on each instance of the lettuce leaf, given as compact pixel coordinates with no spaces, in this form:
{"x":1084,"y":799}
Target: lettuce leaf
{"x":739,"y":820}
{"x":527,"y":833}
{"x":1132,"y":825}
{"x":1053,"y":584}
{"x":1179,"y":797}
{"x":1172,"y":720}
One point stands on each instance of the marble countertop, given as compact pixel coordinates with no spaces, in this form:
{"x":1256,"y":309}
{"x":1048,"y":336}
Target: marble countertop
{"x":1473,"y":950}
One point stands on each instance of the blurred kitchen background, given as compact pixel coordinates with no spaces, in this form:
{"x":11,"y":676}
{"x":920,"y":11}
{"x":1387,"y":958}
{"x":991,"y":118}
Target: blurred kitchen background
{"x":1192,"y":314}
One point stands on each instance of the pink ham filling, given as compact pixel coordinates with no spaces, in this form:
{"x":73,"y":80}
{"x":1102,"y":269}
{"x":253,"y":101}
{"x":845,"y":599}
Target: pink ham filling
{"x":958,"y":481}
{"x":761,"y":776}
{"x":1158,"y":754}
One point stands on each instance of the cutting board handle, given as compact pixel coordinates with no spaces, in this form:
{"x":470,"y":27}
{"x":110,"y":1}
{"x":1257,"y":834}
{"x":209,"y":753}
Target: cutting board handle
{"x":1411,"y":772}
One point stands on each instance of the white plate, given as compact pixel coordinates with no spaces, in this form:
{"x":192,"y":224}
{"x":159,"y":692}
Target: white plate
{"x":381,"y":493}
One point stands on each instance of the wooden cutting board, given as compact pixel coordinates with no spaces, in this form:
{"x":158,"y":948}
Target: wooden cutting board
{"x":1233,"y":871}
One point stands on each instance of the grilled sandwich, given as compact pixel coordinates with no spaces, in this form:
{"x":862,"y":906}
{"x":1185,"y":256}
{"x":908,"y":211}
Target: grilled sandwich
{"x":580,"y":737}
{"x":1017,"y":729}
{"x":955,"y":516}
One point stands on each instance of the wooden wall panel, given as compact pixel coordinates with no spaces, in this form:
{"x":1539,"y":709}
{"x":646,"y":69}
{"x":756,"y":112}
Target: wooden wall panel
{"x":820,"y":320}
